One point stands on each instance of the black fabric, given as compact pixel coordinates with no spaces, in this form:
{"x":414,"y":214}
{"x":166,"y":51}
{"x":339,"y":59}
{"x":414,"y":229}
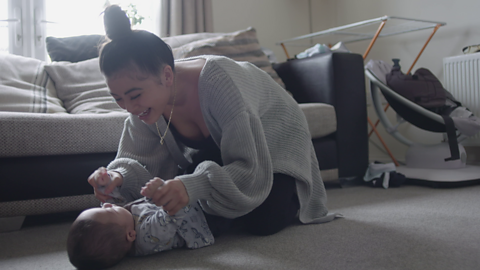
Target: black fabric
{"x":278,"y":211}
{"x":323,"y":146}
{"x":74,"y":49}
{"x":28,"y":178}
{"x":207,"y":143}
{"x":274,"y":214}
{"x":413,"y":117}
{"x":337,"y":79}
{"x":452,"y":138}
{"x":425,"y":90}
{"x":396,"y":179}
{"x":422,"y":87}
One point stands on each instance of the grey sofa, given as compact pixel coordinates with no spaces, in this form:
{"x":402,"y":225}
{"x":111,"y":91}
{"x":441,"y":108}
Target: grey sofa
{"x":47,"y":157}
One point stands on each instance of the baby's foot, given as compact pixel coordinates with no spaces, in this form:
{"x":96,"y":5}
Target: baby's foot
{"x":149,"y":189}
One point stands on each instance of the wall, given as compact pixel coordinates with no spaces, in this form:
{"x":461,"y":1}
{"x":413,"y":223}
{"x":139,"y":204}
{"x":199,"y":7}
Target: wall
{"x":277,"y":20}
{"x":462,"y":29}
{"x":274,"y":20}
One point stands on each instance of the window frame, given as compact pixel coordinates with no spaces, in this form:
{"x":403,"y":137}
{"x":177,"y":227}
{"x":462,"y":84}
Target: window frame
{"x":26,"y":28}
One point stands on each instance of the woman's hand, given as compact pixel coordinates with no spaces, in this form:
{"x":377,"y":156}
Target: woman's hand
{"x":171,"y":194}
{"x":102,"y":176}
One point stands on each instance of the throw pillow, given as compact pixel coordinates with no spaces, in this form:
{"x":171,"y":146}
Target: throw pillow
{"x":241,"y":45}
{"x":180,"y":40}
{"x":26,"y":87}
{"x":82,"y":88}
{"x":74,"y":49}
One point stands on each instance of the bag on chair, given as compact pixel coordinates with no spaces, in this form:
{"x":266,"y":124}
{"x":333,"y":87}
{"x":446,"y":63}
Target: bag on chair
{"x":424,"y":89}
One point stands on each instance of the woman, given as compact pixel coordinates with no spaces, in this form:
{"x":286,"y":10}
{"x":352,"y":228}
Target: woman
{"x":221,"y":132}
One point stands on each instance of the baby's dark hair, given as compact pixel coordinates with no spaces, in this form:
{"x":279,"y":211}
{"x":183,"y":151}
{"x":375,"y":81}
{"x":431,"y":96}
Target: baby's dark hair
{"x":128,"y":48}
{"x":95,"y":245}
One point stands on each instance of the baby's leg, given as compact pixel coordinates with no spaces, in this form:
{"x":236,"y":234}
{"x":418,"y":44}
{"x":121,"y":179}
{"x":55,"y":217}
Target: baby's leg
{"x":149,"y":189}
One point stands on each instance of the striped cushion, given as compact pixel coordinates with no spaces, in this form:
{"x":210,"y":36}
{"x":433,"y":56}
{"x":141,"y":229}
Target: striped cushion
{"x":26,"y":87}
{"x":241,"y":45}
{"x":82,"y":88}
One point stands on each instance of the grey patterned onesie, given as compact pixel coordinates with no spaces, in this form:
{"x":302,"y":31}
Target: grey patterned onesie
{"x":157,"y":231}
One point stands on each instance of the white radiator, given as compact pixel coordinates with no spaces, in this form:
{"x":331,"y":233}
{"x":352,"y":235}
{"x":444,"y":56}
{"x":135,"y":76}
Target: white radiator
{"x":462,"y":79}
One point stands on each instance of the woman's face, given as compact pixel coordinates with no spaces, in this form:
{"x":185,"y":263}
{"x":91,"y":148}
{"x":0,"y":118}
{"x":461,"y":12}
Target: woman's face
{"x":145,"y":96}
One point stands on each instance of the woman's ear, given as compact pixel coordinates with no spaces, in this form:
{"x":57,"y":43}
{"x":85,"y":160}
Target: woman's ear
{"x":168,"y":75}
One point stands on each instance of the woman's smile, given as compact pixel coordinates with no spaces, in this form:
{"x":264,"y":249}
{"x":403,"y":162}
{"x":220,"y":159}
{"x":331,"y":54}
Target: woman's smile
{"x":144,"y":115}
{"x":145,"y":97}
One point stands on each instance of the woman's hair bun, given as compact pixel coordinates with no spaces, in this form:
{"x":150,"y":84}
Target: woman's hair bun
{"x":117,"y":24}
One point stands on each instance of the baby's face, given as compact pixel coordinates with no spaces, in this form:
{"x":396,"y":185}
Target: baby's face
{"x":110,"y":213}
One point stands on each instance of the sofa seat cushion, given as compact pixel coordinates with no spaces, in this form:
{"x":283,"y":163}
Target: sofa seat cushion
{"x":33,"y":134}
{"x":321,"y":119}
{"x":26,"y":87}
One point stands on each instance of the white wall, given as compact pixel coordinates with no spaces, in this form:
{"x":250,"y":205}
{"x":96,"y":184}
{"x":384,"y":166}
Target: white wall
{"x":462,"y":29}
{"x":277,"y":20}
{"x":274,"y":20}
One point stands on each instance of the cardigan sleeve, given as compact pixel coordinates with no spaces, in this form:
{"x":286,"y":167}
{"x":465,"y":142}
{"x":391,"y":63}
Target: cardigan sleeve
{"x":246,"y":177}
{"x":140,"y":157}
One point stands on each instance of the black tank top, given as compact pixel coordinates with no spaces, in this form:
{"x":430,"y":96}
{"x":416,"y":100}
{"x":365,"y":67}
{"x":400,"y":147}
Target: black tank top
{"x":207,"y":150}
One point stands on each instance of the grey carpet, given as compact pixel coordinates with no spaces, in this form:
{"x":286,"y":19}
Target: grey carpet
{"x":410,"y":227}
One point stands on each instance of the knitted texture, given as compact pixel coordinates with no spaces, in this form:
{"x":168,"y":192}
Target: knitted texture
{"x":259,"y":129}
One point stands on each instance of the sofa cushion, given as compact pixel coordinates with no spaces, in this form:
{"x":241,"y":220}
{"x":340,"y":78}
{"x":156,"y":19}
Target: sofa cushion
{"x":241,"y":45}
{"x":26,"y":87}
{"x":180,"y":40}
{"x":82,"y":88}
{"x":321,"y":119}
{"x":36,"y":134}
{"x":74,"y":49}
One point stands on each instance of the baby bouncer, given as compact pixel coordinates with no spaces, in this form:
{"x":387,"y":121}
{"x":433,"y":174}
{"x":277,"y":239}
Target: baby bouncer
{"x":442,"y":162}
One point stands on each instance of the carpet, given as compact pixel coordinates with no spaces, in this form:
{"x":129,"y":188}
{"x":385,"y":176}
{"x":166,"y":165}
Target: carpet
{"x":410,"y":227}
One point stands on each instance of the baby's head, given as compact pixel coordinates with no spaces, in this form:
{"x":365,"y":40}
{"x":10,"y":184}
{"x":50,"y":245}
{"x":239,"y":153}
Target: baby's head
{"x":100,"y":237}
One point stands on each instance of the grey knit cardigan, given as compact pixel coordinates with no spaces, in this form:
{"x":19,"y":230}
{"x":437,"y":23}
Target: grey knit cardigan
{"x":259,"y":129}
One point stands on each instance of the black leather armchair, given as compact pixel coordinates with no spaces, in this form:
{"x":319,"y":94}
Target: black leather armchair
{"x":336,"y":79}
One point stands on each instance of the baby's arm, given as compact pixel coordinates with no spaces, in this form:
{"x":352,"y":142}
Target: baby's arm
{"x":170,"y":194}
{"x":191,"y":222}
{"x":102,"y":183}
{"x":151,"y":187}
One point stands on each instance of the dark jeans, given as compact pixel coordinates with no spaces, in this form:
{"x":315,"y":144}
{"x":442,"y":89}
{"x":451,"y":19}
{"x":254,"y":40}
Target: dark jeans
{"x":277,"y":211}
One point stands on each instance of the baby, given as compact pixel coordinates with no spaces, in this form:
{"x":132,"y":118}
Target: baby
{"x":103,"y":182}
{"x":101,"y":237}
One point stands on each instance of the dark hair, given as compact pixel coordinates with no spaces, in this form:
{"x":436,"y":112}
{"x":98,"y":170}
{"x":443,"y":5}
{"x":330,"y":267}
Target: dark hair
{"x":94,"y":245}
{"x":128,"y":48}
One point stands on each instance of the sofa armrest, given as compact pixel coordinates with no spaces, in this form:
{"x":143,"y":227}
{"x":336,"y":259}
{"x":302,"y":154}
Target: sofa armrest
{"x":337,"y":79}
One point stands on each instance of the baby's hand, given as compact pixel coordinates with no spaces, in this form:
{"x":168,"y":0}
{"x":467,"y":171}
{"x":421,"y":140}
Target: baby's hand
{"x":103,"y":177}
{"x":149,"y":189}
{"x":104,"y":182}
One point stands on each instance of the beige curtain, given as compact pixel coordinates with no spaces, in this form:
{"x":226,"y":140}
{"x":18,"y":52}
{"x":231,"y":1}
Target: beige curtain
{"x":179,"y":17}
